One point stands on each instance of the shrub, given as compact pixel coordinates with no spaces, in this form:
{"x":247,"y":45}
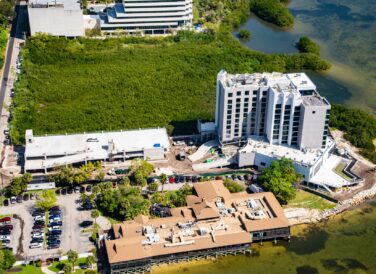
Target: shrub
{"x":244,"y":34}
{"x":308,"y":46}
{"x":233,"y":186}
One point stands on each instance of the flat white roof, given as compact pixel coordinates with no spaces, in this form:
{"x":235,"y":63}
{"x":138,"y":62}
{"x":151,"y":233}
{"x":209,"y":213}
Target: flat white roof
{"x":307,"y":156}
{"x":301,"y":81}
{"x":97,"y":143}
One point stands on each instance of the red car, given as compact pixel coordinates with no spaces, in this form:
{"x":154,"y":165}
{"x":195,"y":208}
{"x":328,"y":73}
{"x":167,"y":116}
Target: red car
{"x":171,"y":180}
{"x":5,"y":219}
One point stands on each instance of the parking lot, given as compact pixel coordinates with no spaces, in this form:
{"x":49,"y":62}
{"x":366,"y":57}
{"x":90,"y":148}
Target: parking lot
{"x":72,"y":237}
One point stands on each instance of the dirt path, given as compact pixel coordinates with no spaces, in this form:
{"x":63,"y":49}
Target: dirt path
{"x":353,"y":151}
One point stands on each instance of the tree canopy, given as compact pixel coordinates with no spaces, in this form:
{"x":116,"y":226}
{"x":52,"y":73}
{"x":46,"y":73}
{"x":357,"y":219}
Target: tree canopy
{"x":359,"y":128}
{"x":52,"y":64}
{"x":306,"y":45}
{"x":172,"y":198}
{"x":233,"y":186}
{"x":47,"y":200}
{"x":7,"y":260}
{"x":279,"y":178}
{"x":140,"y":170}
{"x":124,"y":203}
{"x":19,"y":184}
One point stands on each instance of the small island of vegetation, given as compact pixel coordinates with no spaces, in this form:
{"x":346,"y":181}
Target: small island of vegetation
{"x":306,"y":45}
{"x":244,"y":34}
{"x":273,"y":11}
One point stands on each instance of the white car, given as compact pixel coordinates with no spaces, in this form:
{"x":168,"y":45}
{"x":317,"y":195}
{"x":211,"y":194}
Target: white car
{"x":39,"y":218}
{"x":4,"y":237}
{"x":36,"y":245}
{"x":54,"y":228}
{"x":37,"y":235}
{"x":56,"y":219}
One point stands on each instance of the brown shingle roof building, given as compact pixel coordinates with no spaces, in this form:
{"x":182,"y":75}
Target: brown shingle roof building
{"x":213,"y":222}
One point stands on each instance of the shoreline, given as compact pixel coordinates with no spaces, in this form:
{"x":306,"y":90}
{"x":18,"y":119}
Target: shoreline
{"x":298,"y":216}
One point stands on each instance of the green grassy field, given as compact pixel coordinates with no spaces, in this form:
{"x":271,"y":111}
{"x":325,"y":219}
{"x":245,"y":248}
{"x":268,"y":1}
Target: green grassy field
{"x":308,"y":200}
{"x":92,"y":85}
{"x":28,"y":269}
{"x":339,"y":170}
{"x":58,"y":266}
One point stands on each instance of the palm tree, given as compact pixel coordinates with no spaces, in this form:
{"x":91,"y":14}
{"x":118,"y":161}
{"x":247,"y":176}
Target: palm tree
{"x":72,"y":257}
{"x":90,"y":260}
{"x":95,"y":215}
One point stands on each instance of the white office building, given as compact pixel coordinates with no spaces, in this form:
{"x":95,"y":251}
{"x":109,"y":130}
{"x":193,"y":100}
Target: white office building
{"x":56,"y":17}
{"x":43,"y":153}
{"x":148,"y":16}
{"x":286,"y":109}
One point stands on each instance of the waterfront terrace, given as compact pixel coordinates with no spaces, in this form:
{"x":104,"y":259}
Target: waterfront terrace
{"x":214,"y":222}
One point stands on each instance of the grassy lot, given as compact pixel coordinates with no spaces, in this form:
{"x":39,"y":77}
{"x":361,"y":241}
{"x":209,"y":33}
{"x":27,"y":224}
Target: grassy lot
{"x":308,"y":200}
{"x":339,"y":170}
{"x":92,"y":85}
{"x":27,"y":269}
{"x":57,"y":266}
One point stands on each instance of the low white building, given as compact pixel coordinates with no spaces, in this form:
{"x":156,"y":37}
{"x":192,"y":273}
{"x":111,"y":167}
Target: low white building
{"x":43,"y":153}
{"x":261,"y":153}
{"x":56,"y":17}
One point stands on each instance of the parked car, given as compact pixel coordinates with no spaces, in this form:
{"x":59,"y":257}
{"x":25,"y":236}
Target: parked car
{"x":36,"y":240}
{"x":53,"y":242}
{"x":38,"y":230}
{"x":189,"y":178}
{"x":39,"y":218}
{"x":5,"y":241}
{"x":88,"y":188}
{"x":54,"y":232}
{"x":70,"y":190}
{"x":86,"y":223}
{"x":54,"y":246}
{"x":82,"y":189}
{"x":55,"y":219}
{"x":5,"y":232}
{"x":87,"y":205}
{"x":54,"y":208}
{"x":4,"y":237}
{"x":77,"y":189}
{"x":19,"y":199}
{"x":36,"y":245}
{"x":54,"y":228}
{"x":36,"y":226}
{"x":5,"y":219}
{"x":37,"y":212}
{"x":51,"y":237}
{"x":40,"y":222}
{"x":6,"y":202}
{"x":55,"y":212}
{"x":59,"y":223}
{"x":171,"y":180}
{"x":63,"y":191}
{"x":7,"y":226}
{"x":37,"y":235}
{"x":84,"y":266}
{"x":194,"y":179}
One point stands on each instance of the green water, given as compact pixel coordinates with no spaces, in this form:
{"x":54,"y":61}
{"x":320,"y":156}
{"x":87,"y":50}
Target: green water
{"x":344,"y":244}
{"x":346,"y":32}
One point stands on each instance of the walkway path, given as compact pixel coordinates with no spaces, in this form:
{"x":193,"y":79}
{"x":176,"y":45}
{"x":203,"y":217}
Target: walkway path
{"x":202,"y":150}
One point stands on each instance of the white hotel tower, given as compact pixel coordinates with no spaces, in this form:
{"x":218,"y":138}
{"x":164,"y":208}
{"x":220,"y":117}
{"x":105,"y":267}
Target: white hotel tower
{"x":149,"y":16}
{"x":282,"y":108}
